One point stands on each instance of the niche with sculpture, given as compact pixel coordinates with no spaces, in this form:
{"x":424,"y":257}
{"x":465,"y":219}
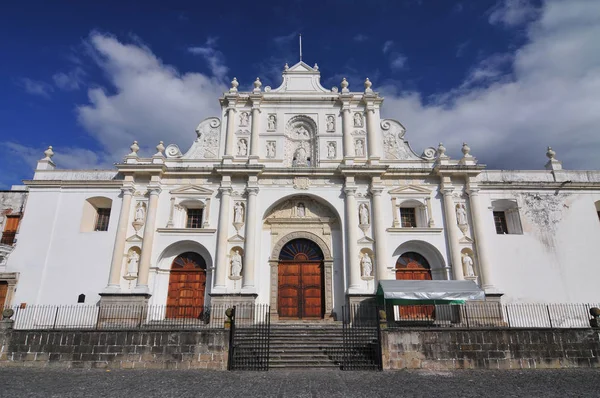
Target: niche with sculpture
{"x":132,"y":263}
{"x":300,"y":149}
{"x":366,"y":264}
{"x":468,"y":264}
{"x":236,"y":255}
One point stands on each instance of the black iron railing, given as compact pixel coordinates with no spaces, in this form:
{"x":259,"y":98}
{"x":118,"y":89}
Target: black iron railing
{"x":249,"y":338}
{"x":361,"y":348}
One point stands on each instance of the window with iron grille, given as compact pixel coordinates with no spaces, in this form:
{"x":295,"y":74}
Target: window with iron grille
{"x":408,"y":217}
{"x":500,"y":222}
{"x":102,"y":220}
{"x":194,"y":218}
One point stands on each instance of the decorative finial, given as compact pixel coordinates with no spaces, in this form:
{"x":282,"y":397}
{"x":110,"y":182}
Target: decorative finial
{"x":368,"y":85}
{"x":49,"y":153}
{"x":553,"y":163}
{"x":234,"y":85}
{"x":134,"y":148}
{"x":160,"y":148}
{"x":441,"y":150}
{"x":344,"y":85}
{"x":465,"y":149}
{"x":286,"y":67}
{"x":316,"y":67}
{"x":257,"y":85}
{"x":550,"y":153}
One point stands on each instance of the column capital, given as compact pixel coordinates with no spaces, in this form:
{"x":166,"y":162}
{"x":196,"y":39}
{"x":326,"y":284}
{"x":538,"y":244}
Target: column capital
{"x":376,"y":191}
{"x":252,"y":190}
{"x":350,"y":191}
{"x":447,"y":190}
{"x":154,"y":190}
{"x":231,"y":108}
{"x":127,"y":190}
{"x":225,"y":190}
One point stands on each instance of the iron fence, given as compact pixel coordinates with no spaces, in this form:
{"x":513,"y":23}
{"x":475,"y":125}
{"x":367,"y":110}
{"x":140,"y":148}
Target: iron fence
{"x":361,"y":346}
{"x":490,"y":315}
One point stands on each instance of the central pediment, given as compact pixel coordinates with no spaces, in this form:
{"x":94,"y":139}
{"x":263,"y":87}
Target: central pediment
{"x":301,"y":78}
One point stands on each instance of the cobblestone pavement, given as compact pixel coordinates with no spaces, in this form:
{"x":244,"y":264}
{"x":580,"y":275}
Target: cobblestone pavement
{"x":24,"y":382}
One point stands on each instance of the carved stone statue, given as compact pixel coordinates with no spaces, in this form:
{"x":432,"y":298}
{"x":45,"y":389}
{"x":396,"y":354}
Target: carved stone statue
{"x":242,"y":148}
{"x":302,"y":132}
{"x":132,"y":263}
{"x":331,"y":150}
{"x":301,"y":156}
{"x":140,"y":212}
{"x":236,"y":263}
{"x":330,"y":123}
{"x":359,"y":148}
{"x":271,"y":149}
{"x":238,"y":213}
{"x":244,"y":119}
{"x":461,"y":215}
{"x":367,"y":265}
{"x":468,"y":265}
{"x":363,"y":214}
{"x":272,"y":122}
{"x":358,"y":120}
{"x":300,"y":210}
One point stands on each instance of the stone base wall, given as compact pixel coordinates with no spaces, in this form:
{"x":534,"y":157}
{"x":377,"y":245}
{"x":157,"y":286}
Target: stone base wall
{"x":206,"y":349}
{"x":490,"y":349}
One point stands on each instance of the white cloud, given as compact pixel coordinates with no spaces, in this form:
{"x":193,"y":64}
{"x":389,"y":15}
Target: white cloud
{"x":286,"y":39}
{"x":36,"y":87}
{"x":387,"y":46}
{"x":548,"y":95}
{"x":214,"y":58}
{"x":512,"y":12}
{"x":69,"y":81}
{"x":397,"y":61}
{"x":359,"y":38}
{"x":66,"y":157}
{"x":149,"y":101}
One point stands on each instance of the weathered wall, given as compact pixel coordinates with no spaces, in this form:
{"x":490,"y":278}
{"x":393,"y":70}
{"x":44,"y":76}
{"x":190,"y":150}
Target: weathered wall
{"x":206,"y":349}
{"x":490,"y":349}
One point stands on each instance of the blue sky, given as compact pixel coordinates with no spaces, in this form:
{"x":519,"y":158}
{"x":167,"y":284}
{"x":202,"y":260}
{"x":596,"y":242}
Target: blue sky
{"x":507,"y":76}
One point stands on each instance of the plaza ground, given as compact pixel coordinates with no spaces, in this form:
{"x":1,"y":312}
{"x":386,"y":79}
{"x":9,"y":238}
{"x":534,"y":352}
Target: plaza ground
{"x":29,"y":382}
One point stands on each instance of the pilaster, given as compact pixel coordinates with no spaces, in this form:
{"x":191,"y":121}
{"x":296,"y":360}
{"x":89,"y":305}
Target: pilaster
{"x":223,"y":229}
{"x":352,"y":238}
{"x":114,"y":280}
{"x":148,"y":240}
{"x":452,"y":229}
{"x":251,"y":241}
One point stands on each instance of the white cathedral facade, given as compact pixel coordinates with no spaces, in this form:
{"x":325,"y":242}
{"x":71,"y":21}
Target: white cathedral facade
{"x":303,"y":198}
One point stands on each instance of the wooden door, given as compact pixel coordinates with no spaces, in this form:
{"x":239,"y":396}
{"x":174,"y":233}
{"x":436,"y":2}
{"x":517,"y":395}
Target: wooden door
{"x":300,"y":290}
{"x":187,"y":285}
{"x":3,"y":294}
{"x":413,"y":266}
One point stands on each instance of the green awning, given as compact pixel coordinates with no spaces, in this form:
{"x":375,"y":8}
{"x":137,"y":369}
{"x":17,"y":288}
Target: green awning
{"x":428,"y":292}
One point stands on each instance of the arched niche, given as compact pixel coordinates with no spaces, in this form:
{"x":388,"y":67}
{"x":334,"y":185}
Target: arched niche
{"x":439,"y":270}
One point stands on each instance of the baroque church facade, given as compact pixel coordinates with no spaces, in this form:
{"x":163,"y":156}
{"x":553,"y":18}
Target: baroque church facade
{"x":303,"y":198}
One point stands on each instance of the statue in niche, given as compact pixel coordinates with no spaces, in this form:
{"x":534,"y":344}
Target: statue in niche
{"x":302,"y":132}
{"x":300,"y":210}
{"x":236,"y":263}
{"x":140,"y":212}
{"x":461,"y":214}
{"x":244,"y":119}
{"x":301,"y":158}
{"x":330,"y":123}
{"x":272,"y":122}
{"x":331,"y":150}
{"x":238,"y":213}
{"x":133,"y":261}
{"x":271,"y":149}
{"x":359,"y":148}
{"x":367,"y":265}
{"x":242,"y":148}
{"x":358,"y":120}
{"x":468,"y":265}
{"x":363,"y":214}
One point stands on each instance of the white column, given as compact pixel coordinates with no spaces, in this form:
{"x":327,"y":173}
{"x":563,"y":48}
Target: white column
{"x":373,"y":137}
{"x":222,"y":231}
{"x":254,"y":140}
{"x":452,"y":232}
{"x":480,"y":239}
{"x":352,"y":239}
{"x":380,"y":235}
{"x":229,"y":134}
{"x":114,"y":280}
{"x":347,"y":124}
{"x":250,"y":240}
{"x":149,"y":231}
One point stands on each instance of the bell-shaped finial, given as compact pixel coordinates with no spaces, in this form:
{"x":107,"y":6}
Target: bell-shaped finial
{"x":257,"y":85}
{"x":316,"y":67}
{"x":441,"y":150}
{"x":344,"y":84}
{"x":134,"y":148}
{"x":48,"y":153}
{"x":550,"y":153}
{"x":286,"y":67}
{"x":368,"y":85}
{"x":160,"y":148}
{"x":234,"y":85}
{"x":465,"y":149}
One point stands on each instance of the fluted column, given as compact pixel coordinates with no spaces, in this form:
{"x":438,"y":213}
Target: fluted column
{"x":380,"y":234}
{"x":250,"y":240}
{"x":254,"y":134}
{"x":373,"y":138}
{"x":223,"y":229}
{"x":480,"y":239}
{"x":352,"y":239}
{"x":229,"y":135}
{"x":452,"y":232}
{"x":114,"y":280}
{"x":347,"y":125}
{"x":149,"y":231}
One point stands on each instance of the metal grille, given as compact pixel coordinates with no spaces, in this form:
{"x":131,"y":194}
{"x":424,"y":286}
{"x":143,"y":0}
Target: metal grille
{"x":500,"y":222}
{"x":102,"y":220}
{"x":361,"y":349}
{"x":249,"y":338}
{"x":194,"y":218}
{"x":408,"y":218}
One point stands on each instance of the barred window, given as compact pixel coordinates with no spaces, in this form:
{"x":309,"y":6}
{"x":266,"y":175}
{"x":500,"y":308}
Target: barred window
{"x":506,"y":217}
{"x":194,"y":218}
{"x":102,"y":219}
{"x":408,"y":217}
{"x":500,"y":222}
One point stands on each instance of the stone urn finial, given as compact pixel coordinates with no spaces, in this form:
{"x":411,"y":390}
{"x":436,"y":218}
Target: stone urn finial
{"x":257,"y":84}
{"x":550,"y":153}
{"x":286,"y":67}
{"x":441,"y":150}
{"x":316,"y":67}
{"x":344,"y":84}
{"x":134,"y":148}
{"x":160,"y":148}
{"x":368,"y":85}
{"x":234,"y":85}
{"x":465,"y":149}
{"x":48,"y":153}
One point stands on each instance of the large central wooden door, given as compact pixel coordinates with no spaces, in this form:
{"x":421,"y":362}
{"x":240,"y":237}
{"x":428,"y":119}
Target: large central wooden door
{"x":301,"y":283}
{"x":413,"y":266}
{"x":187,"y":285}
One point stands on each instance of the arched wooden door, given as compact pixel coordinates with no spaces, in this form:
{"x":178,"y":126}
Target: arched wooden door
{"x":413,"y":266}
{"x":301,"y":284}
{"x":187,"y":284}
